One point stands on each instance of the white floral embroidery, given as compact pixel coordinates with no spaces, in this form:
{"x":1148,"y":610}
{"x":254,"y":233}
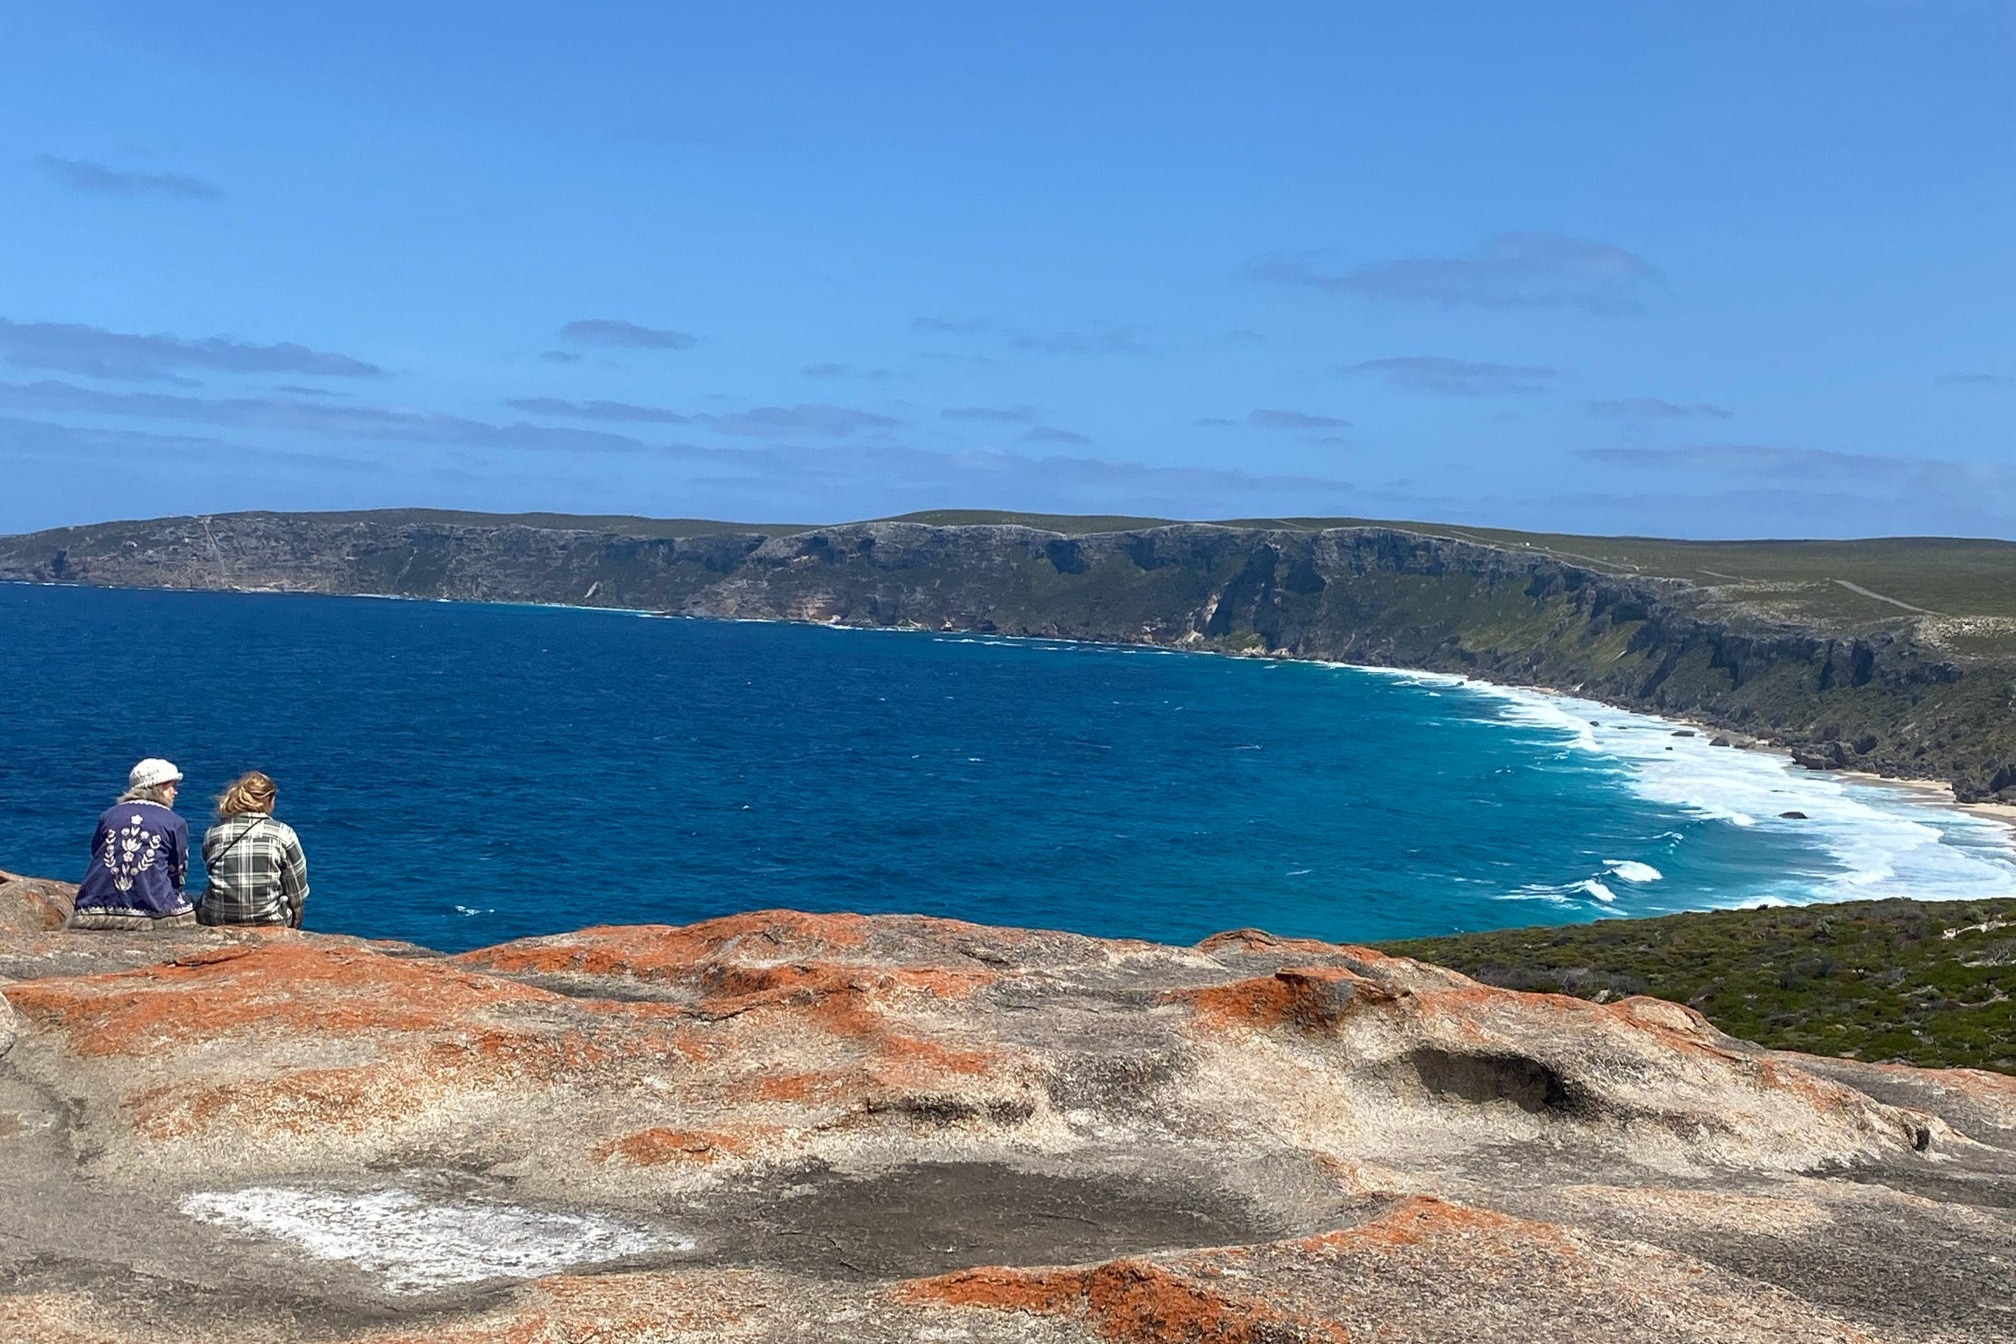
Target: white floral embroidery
{"x":131,"y":851}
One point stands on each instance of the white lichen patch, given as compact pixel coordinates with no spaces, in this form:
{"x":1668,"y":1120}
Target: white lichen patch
{"x":418,"y":1245}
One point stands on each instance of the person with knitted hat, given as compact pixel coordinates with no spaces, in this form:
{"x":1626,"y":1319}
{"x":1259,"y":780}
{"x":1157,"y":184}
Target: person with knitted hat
{"x":139,"y":858}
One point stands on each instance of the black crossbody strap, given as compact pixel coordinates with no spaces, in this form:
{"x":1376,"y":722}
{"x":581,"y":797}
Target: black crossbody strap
{"x":208,"y":863}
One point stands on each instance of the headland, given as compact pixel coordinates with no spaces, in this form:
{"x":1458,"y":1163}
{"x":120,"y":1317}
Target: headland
{"x":780,"y":1125}
{"x":1893,"y":657}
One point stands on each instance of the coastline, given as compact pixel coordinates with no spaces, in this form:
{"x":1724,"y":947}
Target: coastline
{"x":1935,"y":791}
{"x":1941,"y":793}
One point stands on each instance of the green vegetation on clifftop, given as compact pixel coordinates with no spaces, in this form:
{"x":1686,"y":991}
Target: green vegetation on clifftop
{"x":1912,"y":982}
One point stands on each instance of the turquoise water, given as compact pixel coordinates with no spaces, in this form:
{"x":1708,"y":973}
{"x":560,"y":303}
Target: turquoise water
{"x":462,"y":774}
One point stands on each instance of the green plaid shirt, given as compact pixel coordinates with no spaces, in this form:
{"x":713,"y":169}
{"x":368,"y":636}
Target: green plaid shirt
{"x":257,"y":872}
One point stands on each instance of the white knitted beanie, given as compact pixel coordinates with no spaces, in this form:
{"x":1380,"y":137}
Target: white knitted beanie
{"x":153,"y":771}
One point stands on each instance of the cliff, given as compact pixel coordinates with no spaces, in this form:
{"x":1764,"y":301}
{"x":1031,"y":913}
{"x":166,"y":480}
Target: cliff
{"x":1844,"y":675}
{"x":784,"y":1126}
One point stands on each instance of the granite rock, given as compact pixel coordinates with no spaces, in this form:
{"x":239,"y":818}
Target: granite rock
{"x":836,"y":1127}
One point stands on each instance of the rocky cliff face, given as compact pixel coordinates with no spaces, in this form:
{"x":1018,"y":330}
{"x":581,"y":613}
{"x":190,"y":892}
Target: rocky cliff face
{"x":785,"y":1126}
{"x":1870,"y":697}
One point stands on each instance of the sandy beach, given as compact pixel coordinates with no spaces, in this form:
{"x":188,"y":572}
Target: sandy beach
{"x":2002,"y":812}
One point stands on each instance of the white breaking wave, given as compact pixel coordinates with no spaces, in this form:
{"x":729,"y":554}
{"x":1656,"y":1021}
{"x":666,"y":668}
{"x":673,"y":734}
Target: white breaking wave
{"x":1551,"y":895}
{"x":417,"y":1246}
{"x":1598,"y":890}
{"x":1630,"y":870}
{"x":1881,"y":840}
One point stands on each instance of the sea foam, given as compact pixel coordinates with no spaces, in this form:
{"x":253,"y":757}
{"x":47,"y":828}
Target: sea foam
{"x":1882,"y":841}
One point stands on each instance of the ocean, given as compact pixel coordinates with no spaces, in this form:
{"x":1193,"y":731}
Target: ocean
{"x":463,"y":774}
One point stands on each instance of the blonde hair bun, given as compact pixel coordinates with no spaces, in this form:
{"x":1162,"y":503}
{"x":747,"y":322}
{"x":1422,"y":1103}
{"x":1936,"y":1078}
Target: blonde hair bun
{"x":250,"y":792}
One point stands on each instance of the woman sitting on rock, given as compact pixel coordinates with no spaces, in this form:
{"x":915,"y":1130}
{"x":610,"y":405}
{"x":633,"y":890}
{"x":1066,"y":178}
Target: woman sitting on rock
{"x":139,"y":858}
{"x":257,"y":872}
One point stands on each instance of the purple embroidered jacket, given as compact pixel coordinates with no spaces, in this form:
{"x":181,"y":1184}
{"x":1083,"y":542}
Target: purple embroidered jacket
{"x":139,"y":861}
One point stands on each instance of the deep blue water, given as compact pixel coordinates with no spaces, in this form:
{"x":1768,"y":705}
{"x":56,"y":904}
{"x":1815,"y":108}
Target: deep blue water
{"x":462,"y":774}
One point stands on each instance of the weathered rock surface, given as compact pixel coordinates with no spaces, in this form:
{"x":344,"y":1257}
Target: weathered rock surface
{"x":29,"y":905}
{"x":786,"y":1126}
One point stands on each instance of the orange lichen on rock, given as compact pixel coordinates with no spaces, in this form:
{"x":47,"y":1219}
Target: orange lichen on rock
{"x":1975,"y":1084}
{"x":291,"y":988}
{"x":658,"y":1146}
{"x":1368,"y":961}
{"x":33,"y":905}
{"x":1128,"y":1302}
{"x":900,"y":1067}
{"x":1641,"y":1010}
{"x":903,"y":1058}
{"x":838,"y":998}
{"x":665,"y":951}
{"x":1259,"y":940}
{"x":1421,"y":1220}
{"x":293,"y":1103}
{"x":1043,"y":1292}
{"x":1312,"y":998}
{"x":403,"y":1082}
{"x":1137,"y":1301}
{"x":793,"y":1088}
{"x":689,"y":956}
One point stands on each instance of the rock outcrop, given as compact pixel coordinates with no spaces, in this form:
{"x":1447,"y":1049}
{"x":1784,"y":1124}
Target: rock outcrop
{"x":789,"y":1126}
{"x":1874,"y":696}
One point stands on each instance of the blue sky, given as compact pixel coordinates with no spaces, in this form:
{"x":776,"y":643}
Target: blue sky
{"x":1712,"y":269}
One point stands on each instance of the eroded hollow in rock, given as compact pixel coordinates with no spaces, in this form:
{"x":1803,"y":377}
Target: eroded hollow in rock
{"x":933,"y":1217}
{"x":1483,"y":1078}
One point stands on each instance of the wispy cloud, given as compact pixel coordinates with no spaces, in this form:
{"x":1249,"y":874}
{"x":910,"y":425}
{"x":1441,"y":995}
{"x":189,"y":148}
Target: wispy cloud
{"x":1509,"y":270}
{"x":560,"y":356}
{"x":821,"y":419}
{"x":43,"y":438}
{"x":1046,"y":434}
{"x":1979,"y":380}
{"x":67,"y":443}
{"x":952,"y":326}
{"x":1834,"y":491}
{"x":611,"y":331}
{"x":1294,"y":420}
{"x":98,"y":180}
{"x":1653,"y":408}
{"x":877,"y":479}
{"x":1005,"y":414}
{"x":288,"y":415}
{"x":1105,"y":338}
{"x":831,"y":370}
{"x":1443,"y":377}
{"x":1811,"y":465}
{"x":93,"y":352}
{"x":1275,"y":420}
{"x":810,"y":481}
{"x":620,"y":411}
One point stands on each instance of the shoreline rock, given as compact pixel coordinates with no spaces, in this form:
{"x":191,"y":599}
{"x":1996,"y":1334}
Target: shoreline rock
{"x":891,"y":1127}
